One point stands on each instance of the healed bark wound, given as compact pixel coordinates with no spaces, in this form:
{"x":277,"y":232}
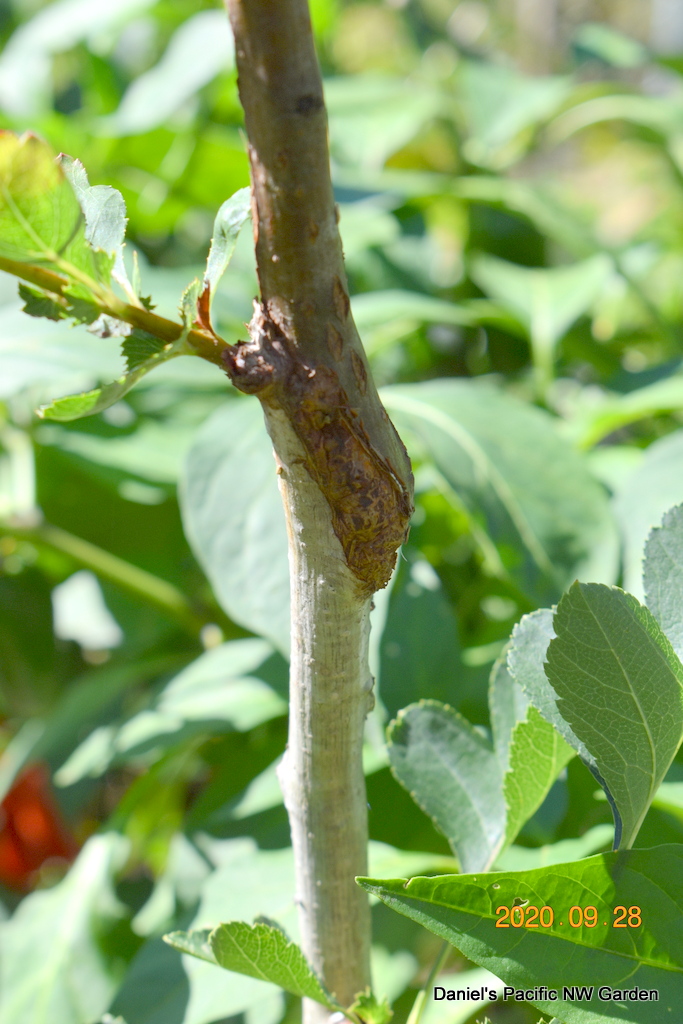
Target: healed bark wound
{"x":344,"y":476}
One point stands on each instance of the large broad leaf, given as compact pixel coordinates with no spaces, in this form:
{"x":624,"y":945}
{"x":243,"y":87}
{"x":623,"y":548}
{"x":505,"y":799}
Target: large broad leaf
{"x":261,"y":951}
{"x":454,"y":775}
{"x":620,"y":687}
{"x":654,"y":487}
{"x":646,"y":954}
{"x":497,"y":107}
{"x":234,"y":520}
{"x":53,"y":969}
{"x":516,"y":477}
{"x":419,"y":649}
{"x":229,"y":687}
{"x":663,"y":576}
{"x":546,"y":301}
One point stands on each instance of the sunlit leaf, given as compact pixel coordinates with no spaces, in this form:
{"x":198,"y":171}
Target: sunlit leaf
{"x":454,"y":775}
{"x":238,"y":532}
{"x":647,"y":955}
{"x":620,"y":687}
{"x":52,"y":967}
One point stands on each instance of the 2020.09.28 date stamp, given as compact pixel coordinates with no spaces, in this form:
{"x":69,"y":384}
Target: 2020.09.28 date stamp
{"x":525,"y":915}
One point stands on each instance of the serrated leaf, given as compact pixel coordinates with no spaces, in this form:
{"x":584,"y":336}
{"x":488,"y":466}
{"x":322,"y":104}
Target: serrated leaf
{"x":663,"y":576}
{"x":261,"y":951}
{"x":39,"y":304}
{"x":139,"y":346}
{"x":74,"y":407}
{"x":454,"y":775}
{"x":537,"y":756}
{"x":463,"y":910}
{"x":505,"y":465}
{"x":620,"y":688}
{"x":39,"y":213}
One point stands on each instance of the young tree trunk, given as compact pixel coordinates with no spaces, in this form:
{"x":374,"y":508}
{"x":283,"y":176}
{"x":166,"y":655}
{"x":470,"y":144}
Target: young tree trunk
{"x":344,"y":476}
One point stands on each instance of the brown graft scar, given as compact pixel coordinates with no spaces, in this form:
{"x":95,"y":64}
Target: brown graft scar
{"x":370,"y":506}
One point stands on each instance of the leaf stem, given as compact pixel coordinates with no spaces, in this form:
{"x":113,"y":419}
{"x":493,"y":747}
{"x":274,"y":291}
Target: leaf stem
{"x":420,"y":1003}
{"x":207,"y":346}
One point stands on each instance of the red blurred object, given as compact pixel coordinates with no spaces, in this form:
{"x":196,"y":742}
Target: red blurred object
{"x":32,"y":830}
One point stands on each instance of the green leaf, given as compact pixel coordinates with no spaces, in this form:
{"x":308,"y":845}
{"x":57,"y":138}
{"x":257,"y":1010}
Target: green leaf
{"x":370,"y":1009}
{"x":238,"y":532}
{"x":604,"y":414}
{"x":139,"y":346}
{"x":515,"y":476}
{"x":546,"y":301}
{"x":200,"y":49}
{"x":453,"y":774}
{"x":196,"y":943}
{"x":526,"y":656}
{"x":537,"y":756}
{"x":103,"y":208}
{"x":462,"y":910}
{"x":225,"y":688}
{"x":38,"y":304}
{"x":52,"y":967}
{"x":265,"y":886}
{"x":264,"y":951}
{"x":644,"y":497}
{"x":508,"y":705}
{"x":620,"y":687}
{"x":663,"y":576}
{"x":525,"y":858}
{"x":229,"y":221}
{"x":188,"y":303}
{"x":39,"y":213}
{"x":419,"y":649}
{"x":74,"y":407}
{"x":161,"y":987}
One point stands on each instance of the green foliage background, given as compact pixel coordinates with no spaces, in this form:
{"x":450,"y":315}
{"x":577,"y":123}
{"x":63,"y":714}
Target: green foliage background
{"x":514,"y":251}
